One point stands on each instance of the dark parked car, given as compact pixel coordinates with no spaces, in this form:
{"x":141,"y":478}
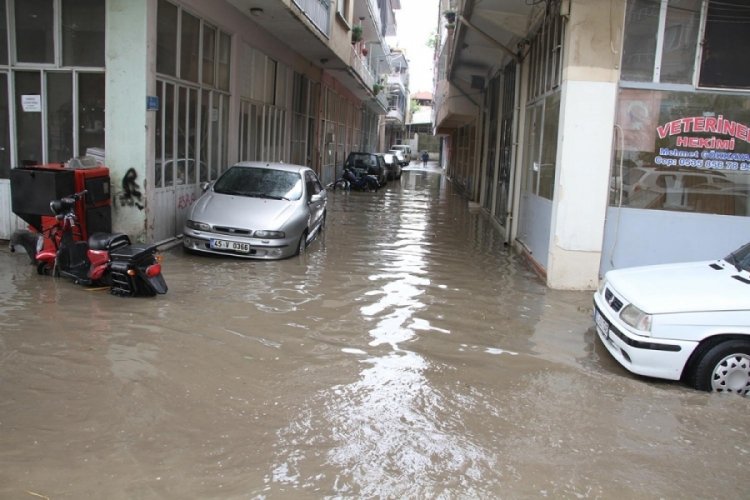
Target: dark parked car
{"x":368,"y":163}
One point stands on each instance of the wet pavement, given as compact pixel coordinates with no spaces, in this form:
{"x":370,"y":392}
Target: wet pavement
{"x":408,"y":354}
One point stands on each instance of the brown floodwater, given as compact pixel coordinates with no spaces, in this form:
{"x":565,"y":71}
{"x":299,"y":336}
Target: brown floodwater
{"x":408,"y":354}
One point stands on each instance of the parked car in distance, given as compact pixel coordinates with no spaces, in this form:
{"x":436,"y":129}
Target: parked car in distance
{"x":687,"y":321}
{"x":393,"y":166}
{"x":257,"y":210}
{"x":368,"y":163}
{"x":406,"y":150}
{"x":402,"y":160}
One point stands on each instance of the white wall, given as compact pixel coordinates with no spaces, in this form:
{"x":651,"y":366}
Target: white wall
{"x":587,"y":114}
{"x":638,"y":237}
{"x":129,"y":79}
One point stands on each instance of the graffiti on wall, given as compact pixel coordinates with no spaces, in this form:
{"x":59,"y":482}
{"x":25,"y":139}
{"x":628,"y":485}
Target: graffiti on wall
{"x":131,"y":193}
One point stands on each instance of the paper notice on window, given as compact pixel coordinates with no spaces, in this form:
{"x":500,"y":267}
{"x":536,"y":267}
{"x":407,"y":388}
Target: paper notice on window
{"x":31,"y":103}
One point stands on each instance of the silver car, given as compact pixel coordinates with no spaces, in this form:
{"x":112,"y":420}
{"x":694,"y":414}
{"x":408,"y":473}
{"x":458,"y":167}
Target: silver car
{"x":257,"y":210}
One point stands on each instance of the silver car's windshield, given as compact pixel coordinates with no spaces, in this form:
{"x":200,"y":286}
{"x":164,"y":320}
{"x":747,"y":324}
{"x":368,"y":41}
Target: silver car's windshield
{"x":260,"y":183}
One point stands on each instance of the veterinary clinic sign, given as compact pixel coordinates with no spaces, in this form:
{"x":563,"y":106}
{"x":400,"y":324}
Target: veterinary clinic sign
{"x":704,"y":142}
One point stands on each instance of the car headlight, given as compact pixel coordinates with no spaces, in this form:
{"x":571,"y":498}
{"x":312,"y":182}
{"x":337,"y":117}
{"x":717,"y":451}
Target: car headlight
{"x":635,"y":318}
{"x":269,"y":235}
{"x":602,"y":286}
{"x":200,"y":226}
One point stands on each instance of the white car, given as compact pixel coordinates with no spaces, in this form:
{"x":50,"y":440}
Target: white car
{"x":399,"y":154}
{"x":406,"y":150}
{"x":688,"y":321}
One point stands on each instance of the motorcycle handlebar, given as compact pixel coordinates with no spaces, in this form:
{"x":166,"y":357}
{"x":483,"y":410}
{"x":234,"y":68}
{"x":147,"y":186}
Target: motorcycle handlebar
{"x":65,"y":205}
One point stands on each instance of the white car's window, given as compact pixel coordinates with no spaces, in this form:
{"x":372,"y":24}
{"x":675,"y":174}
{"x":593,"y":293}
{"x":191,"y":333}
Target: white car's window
{"x":740,"y":258}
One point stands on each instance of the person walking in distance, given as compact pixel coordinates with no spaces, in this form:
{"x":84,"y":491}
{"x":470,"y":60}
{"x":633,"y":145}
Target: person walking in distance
{"x":425,"y":157}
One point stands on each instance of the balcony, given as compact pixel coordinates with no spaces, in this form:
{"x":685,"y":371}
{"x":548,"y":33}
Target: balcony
{"x":358,"y":64}
{"x":400,"y":80}
{"x":318,"y":12}
{"x":395,"y":115}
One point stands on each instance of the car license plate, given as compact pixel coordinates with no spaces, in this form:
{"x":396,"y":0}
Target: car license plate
{"x":601,"y":323}
{"x":230,"y":245}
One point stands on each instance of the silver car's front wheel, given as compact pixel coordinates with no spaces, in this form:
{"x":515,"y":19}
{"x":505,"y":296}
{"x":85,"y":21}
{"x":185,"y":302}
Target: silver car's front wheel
{"x":302,"y":245}
{"x":725,"y":368}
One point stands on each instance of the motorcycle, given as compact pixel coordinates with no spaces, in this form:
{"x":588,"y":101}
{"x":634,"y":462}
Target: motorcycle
{"x":108,"y":259}
{"x":351,"y":180}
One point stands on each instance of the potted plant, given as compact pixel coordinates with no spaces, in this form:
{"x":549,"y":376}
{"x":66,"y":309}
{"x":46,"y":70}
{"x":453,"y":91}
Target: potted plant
{"x":356,"y":34}
{"x":450,"y":26}
{"x":450,"y":16}
{"x":376,"y":88}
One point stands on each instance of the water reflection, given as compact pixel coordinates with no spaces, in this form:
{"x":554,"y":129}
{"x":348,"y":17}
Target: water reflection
{"x":407,"y":354}
{"x":386,"y":439}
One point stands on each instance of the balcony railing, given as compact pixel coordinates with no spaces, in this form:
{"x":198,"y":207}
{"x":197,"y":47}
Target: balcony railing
{"x":318,"y":12}
{"x":359,"y":66}
{"x":382,"y":99}
{"x":395,"y":114}
{"x":398,"y":79}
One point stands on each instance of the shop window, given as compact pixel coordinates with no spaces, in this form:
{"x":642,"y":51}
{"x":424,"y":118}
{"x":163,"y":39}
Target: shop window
{"x":682,"y":151}
{"x":209,"y":54}
{"x":726,"y":39}
{"x":83,"y":33}
{"x":663,"y":41}
{"x":3,"y":36}
{"x":192,"y":136}
{"x":549,"y":146}
{"x":270,"y":97}
{"x":545,"y":53}
{"x":166,"y":38}
{"x":205,"y":124}
{"x":660,"y":43}
{"x":34,"y":25}
{"x":190,"y":47}
{"x":59,"y":117}
{"x":90,"y":111}
{"x":4,"y":128}
{"x":225,"y":43}
{"x":28,"y":117}
{"x":541,"y":154}
{"x":159,"y":138}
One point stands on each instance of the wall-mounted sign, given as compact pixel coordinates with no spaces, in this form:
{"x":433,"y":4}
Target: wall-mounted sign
{"x":31,"y":103}
{"x":152,"y":103}
{"x":708,"y":141}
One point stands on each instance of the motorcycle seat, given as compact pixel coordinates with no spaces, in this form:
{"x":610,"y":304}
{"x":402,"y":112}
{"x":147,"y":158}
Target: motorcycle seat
{"x":108,"y":241}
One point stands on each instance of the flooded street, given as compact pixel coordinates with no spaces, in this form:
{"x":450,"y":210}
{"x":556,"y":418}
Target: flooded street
{"x":407,"y":354}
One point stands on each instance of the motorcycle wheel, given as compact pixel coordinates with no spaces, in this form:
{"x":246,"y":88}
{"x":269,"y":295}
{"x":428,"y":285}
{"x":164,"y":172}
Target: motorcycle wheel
{"x":44,"y":269}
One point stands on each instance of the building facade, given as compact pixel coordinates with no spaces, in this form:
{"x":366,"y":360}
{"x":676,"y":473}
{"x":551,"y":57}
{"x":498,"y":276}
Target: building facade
{"x":171,"y":92}
{"x":600,"y":134}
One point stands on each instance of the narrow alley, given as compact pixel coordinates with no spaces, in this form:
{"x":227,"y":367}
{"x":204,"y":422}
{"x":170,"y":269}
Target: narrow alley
{"x":407,"y":354}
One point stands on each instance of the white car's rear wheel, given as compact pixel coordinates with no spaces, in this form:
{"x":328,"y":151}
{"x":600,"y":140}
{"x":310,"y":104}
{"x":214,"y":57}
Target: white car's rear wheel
{"x":725,"y":368}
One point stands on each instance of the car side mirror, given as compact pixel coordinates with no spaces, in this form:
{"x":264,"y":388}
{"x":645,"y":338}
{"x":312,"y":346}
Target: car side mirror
{"x":205,"y":186}
{"x":316,"y":197}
